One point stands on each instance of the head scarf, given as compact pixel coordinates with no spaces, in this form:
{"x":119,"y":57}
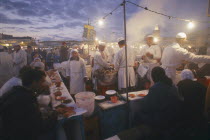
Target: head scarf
{"x":187,"y":74}
{"x":73,"y":50}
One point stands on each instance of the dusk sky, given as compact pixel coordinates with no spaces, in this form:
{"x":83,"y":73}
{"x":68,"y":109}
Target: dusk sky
{"x":64,"y":19}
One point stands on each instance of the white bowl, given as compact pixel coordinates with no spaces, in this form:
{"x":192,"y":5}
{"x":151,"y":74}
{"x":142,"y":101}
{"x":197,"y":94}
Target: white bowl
{"x":110,"y":92}
{"x":100,"y":97}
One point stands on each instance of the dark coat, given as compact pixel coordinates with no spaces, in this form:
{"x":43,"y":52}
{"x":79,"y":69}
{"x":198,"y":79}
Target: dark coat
{"x":161,"y":107}
{"x":20,"y":114}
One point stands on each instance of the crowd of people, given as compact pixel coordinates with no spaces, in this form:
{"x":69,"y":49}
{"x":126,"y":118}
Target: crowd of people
{"x":173,"y":107}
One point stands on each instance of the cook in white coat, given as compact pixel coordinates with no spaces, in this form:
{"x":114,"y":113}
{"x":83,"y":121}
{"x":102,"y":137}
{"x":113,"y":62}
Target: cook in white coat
{"x":120,"y":66}
{"x":76,"y":72}
{"x":19,"y":59}
{"x":174,"y":54}
{"x":100,"y":61}
{"x":6,"y":66}
{"x":151,"y":55}
{"x":100,"y":58}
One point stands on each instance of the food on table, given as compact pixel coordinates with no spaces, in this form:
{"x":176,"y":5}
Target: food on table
{"x":65,"y":111}
{"x":58,"y":83}
{"x":141,"y":95}
{"x":60,"y":110}
{"x":60,"y":106}
{"x":114,"y":99}
{"x":58,"y":93}
{"x":69,"y":113}
{"x":132,"y":95}
{"x":59,"y":98}
{"x":66,"y":101}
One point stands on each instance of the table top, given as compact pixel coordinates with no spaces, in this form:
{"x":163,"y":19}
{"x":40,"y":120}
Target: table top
{"x":136,"y":93}
{"x":65,"y":93}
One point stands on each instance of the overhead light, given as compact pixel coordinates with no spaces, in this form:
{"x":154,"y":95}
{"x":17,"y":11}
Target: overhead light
{"x":190,"y":25}
{"x":96,"y":39}
{"x":156,"y":39}
{"x":100,"y":22}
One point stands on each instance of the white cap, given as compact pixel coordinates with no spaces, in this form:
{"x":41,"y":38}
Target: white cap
{"x":1,"y":47}
{"x":187,"y":74}
{"x":102,"y":44}
{"x":149,"y":36}
{"x":120,"y":38}
{"x":181,"y":35}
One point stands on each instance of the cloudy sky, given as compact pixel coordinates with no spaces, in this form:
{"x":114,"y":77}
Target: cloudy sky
{"x":64,"y":19}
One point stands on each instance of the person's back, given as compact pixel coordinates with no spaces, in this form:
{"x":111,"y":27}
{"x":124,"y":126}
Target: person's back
{"x":193,"y":94}
{"x":20,"y":114}
{"x":161,"y":106}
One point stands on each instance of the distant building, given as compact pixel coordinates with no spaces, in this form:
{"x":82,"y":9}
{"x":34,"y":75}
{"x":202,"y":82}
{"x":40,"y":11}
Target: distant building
{"x":8,"y":40}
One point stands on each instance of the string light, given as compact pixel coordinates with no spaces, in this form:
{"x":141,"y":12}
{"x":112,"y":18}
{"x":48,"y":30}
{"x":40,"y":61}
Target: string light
{"x":100,"y":22}
{"x":190,"y":25}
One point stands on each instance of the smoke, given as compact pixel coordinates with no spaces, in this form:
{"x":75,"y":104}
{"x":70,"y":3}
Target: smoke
{"x":144,"y":22}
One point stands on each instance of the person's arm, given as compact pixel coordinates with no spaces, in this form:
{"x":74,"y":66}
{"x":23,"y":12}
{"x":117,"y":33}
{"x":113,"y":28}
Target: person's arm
{"x":100,"y":61}
{"x":188,"y":56}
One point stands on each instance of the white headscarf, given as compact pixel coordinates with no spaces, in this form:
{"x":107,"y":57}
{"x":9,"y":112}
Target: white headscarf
{"x":187,"y":74}
{"x":73,"y":50}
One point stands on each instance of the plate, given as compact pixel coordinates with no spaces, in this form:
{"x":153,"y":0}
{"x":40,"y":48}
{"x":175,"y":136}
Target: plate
{"x":110,"y":92}
{"x":99,"y":97}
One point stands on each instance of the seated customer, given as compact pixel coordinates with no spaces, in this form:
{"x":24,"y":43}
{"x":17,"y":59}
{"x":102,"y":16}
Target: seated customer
{"x":161,"y":106}
{"x":14,"y":81}
{"x":19,"y":109}
{"x":159,"y":110}
{"x":193,"y":94}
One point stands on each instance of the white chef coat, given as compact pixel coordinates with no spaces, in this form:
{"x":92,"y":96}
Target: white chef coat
{"x":174,"y":55}
{"x":120,"y":65}
{"x":100,"y":61}
{"x":14,"y":81}
{"x":6,"y":67}
{"x":20,"y":60}
{"x":77,"y":72}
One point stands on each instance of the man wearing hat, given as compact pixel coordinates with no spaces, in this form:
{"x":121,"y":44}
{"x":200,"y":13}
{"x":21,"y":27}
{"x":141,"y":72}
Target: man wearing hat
{"x":120,"y":66}
{"x":6,"y":67}
{"x":19,"y":59}
{"x":150,"y":55}
{"x":174,"y":54}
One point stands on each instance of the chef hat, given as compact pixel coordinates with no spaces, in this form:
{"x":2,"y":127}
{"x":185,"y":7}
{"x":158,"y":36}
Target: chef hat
{"x":120,"y":38}
{"x":187,"y":74}
{"x":1,"y":47}
{"x":102,"y":44}
{"x":181,"y":35}
{"x":149,"y":36}
{"x":75,"y":46}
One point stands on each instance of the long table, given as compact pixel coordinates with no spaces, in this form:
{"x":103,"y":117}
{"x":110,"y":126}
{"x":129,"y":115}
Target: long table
{"x":76,"y":118}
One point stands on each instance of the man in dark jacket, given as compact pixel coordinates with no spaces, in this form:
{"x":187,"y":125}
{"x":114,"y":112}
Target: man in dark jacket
{"x":19,"y":109}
